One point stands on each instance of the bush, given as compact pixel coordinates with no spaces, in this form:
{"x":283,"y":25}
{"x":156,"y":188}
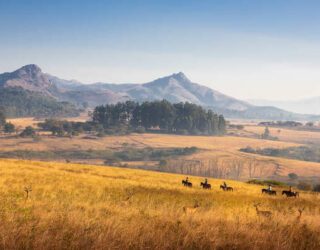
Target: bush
{"x":28,"y":132}
{"x":305,"y":186}
{"x":140,"y":130}
{"x":293,"y":176}
{"x":316,"y":188}
{"x":266,"y":182}
{"x":9,"y":127}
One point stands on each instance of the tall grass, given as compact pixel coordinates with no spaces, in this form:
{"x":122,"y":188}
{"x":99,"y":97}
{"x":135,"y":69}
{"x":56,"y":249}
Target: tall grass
{"x":85,"y":207}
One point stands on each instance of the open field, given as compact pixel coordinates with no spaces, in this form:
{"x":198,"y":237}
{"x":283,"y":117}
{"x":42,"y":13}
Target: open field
{"x":216,"y":153}
{"x":286,"y":134}
{"x":80,"y":206}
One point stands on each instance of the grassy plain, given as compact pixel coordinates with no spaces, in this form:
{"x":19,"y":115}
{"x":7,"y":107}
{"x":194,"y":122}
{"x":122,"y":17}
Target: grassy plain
{"x":223,"y":149}
{"x":75,"y":206}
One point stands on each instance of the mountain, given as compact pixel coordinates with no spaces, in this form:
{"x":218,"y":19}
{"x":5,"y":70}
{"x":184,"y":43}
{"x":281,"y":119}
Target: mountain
{"x":175,"y":88}
{"x":304,"y":106}
{"x":28,"y":92}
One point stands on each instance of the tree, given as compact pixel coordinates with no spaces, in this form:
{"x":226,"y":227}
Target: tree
{"x":28,"y":132}
{"x":222,"y":124}
{"x":178,"y":118}
{"x":293,"y":176}
{"x":9,"y":127}
{"x":304,"y":186}
{"x":266,"y":133}
{"x":316,"y":188}
{"x":2,"y":117}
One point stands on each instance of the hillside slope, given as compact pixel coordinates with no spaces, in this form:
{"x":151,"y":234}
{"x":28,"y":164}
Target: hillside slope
{"x":28,"y":92}
{"x":85,"y":207}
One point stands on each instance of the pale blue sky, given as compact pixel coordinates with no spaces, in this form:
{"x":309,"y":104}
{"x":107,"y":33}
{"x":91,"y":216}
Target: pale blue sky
{"x":247,"y":49}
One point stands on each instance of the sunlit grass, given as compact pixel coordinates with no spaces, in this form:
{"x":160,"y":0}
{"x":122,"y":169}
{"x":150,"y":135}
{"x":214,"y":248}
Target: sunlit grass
{"x":78,"y":206}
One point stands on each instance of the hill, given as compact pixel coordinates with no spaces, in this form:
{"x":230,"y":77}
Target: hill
{"x":113,"y":208}
{"x":175,"y":88}
{"x":28,"y":92}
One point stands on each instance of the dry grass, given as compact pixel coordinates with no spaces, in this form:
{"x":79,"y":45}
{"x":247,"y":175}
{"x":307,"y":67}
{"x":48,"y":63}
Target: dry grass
{"x":85,"y":207}
{"x":288,"y":135}
{"x":213,"y":148}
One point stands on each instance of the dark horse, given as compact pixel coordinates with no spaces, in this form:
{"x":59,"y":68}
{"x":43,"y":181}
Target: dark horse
{"x":205,"y":185}
{"x":289,"y":193}
{"x":226,"y":188}
{"x":186,"y":183}
{"x":267,"y":191}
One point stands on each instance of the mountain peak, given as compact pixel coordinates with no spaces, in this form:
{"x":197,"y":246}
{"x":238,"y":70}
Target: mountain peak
{"x":30,"y":69}
{"x":180,"y":76}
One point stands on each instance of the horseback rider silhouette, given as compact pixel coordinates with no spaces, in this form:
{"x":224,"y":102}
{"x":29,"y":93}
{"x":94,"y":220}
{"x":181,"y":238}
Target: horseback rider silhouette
{"x":225,"y":184}
{"x":270,"y":187}
{"x":205,"y":181}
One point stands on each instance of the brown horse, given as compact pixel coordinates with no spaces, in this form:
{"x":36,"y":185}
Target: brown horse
{"x":267,"y":191}
{"x":205,"y":185}
{"x":226,"y":188}
{"x":186,"y":183}
{"x":289,"y":193}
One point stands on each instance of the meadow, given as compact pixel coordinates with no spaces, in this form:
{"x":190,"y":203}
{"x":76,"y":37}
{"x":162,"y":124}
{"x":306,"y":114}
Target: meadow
{"x":72,"y":206}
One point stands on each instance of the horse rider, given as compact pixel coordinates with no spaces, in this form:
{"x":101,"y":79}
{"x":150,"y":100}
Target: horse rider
{"x":187,"y":179}
{"x":225,"y":184}
{"x":205,"y":181}
{"x":269,"y":188}
{"x":290,"y":189}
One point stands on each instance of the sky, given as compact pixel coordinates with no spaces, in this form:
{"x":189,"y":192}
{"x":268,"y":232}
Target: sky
{"x":253,"y":49}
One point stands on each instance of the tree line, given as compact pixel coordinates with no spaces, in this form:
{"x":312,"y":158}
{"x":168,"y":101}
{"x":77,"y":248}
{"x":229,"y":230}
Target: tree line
{"x":162,"y":116}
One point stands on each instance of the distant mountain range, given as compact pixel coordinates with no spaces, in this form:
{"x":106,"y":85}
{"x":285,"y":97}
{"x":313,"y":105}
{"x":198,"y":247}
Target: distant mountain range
{"x":63,"y":96}
{"x":303,"y":106}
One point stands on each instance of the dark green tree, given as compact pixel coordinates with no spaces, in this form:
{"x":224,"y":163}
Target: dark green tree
{"x":9,"y":128}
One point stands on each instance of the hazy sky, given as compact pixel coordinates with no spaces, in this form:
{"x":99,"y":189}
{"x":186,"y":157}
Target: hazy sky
{"x":248,"y":49}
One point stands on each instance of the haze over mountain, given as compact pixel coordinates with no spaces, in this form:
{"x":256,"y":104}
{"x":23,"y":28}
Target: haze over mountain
{"x":305,"y":106}
{"x":175,"y":88}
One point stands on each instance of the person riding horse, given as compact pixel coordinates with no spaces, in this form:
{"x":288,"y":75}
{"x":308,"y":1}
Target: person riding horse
{"x":269,"y":188}
{"x":225,"y":185}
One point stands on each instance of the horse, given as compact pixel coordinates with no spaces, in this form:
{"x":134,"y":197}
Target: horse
{"x":205,"y":185}
{"x":186,"y":183}
{"x":267,"y":191}
{"x":289,"y":193}
{"x":226,"y":188}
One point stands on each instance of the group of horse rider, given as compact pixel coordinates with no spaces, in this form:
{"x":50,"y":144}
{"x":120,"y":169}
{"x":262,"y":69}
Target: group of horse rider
{"x":205,"y":183}
{"x":224,"y":186}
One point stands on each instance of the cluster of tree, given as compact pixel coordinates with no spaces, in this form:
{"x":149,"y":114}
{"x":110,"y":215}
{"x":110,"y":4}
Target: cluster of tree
{"x":281,"y":124}
{"x":7,"y":127}
{"x":63,"y":127}
{"x":18,"y":102}
{"x":179,"y":118}
{"x":303,"y":153}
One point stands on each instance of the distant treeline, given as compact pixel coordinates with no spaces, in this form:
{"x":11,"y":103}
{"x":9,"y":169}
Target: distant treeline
{"x":281,"y":124}
{"x":109,"y":156}
{"x":302,"y":153}
{"x":179,"y":118}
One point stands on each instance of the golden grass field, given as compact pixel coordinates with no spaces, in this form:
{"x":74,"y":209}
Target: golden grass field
{"x":88,"y":207}
{"x":224,"y":148}
{"x":287,"y":135}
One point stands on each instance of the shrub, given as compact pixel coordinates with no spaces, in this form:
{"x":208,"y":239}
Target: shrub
{"x":266,"y":182}
{"x":305,"y":186}
{"x":9,"y":127}
{"x":28,"y":132}
{"x":316,"y":188}
{"x":140,"y":130}
{"x":293,"y":176}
